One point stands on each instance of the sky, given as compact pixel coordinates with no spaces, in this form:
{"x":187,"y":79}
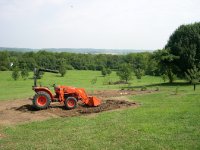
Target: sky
{"x":102,"y":24}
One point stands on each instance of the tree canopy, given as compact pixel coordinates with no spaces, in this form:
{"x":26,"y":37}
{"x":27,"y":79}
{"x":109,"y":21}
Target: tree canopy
{"x":185,"y":43}
{"x":125,"y":72}
{"x":68,"y":61}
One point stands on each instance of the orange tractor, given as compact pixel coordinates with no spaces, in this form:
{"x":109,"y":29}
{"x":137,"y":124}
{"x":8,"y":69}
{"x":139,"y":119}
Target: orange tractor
{"x":66,"y":94}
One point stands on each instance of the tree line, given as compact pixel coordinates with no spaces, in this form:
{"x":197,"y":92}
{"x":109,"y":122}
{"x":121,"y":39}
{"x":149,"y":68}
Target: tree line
{"x":69,"y":61}
{"x":179,"y":58}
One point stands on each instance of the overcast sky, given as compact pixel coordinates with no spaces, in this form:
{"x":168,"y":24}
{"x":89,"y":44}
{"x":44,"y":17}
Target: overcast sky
{"x":110,"y":24}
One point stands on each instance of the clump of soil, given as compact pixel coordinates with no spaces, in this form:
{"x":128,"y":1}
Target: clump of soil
{"x":108,"y":105}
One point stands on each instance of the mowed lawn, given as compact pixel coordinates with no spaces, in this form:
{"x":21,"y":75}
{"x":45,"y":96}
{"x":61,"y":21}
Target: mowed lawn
{"x":167,"y":119}
{"x":10,"y":89}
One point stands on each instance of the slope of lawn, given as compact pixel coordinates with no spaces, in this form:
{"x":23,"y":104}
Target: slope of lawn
{"x":168,"y":119}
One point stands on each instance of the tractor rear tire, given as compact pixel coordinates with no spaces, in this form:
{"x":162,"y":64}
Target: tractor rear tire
{"x":41,"y":100}
{"x":70,"y":103}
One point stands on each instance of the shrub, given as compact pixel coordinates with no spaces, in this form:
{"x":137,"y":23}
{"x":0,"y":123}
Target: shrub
{"x":15,"y":74}
{"x":24,"y":74}
{"x":144,"y":88}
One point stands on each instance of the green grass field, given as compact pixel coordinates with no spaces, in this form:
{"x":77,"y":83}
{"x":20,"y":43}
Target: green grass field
{"x":168,"y":119}
{"x":10,"y":89}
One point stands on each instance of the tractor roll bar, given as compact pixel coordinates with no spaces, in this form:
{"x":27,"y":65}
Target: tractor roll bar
{"x":37,"y":73}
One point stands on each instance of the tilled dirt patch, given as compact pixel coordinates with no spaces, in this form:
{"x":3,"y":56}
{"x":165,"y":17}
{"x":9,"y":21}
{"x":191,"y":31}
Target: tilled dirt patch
{"x":25,"y":112}
{"x":20,"y":111}
{"x":59,"y":110}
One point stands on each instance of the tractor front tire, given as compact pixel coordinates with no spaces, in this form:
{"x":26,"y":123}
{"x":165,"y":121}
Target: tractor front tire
{"x":41,"y":100}
{"x":70,"y":103}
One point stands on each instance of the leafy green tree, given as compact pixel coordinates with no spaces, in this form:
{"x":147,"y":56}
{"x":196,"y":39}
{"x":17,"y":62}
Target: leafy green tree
{"x":103,"y":72}
{"x":39,"y":74}
{"x":166,"y":63}
{"x":193,"y":76}
{"x":139,"y":60}
{"x":164,"y":77}
{"x":108,"y":71}
{"x":153,"y":66}
{"x":93,"y":82}
{"x":15,"y":74}
{"x":4,"y":61}
{"x":24,"y":73}
{"x":125,"y":72}
{"x":62,"y":67}
{"x":62,"y":70}
{"x":185,"y":43}
{"x":139,"y":73}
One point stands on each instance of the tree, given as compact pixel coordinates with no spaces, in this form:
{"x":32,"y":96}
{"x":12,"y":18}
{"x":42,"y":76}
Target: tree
{"x":103,"y":72}
{"x":106,"y":71}
{"x":139,"y":73}
{"x":193,"y":76}
{"x":62,"y":70}
{"x":93,"y":82}
{"x":62,"y":67}
{"x":39,"y":74}
{"x":109,"y":71}
{"x":15,"y":74}
{"x":166,"y":63}
{"x":24,"y":73}
{"x":164,"y":77}
{"x":4,"y":61}
{"x":125,"y":72}
{"x":185,"y":43}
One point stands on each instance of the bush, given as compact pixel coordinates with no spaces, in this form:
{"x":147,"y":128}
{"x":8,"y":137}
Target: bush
{"x":144,"y":88}
{"x":164,"y":77}
{"x":69,"y":67}
{"x":109,"y":71}
{"x":157,"y":88}
{"x":62,"y":70}
{"x":104,"y":72}
{"x":139,"y":73}
{"x":15,"y":74}
{"x":177,"y":90}
{"x":24,"y":74}
{"x":125,"y":72}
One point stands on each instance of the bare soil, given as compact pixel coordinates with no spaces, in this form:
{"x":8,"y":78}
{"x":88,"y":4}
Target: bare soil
{"x":20,"y":111}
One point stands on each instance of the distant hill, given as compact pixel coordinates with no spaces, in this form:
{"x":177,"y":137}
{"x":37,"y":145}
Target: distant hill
{"x":78,"y":50}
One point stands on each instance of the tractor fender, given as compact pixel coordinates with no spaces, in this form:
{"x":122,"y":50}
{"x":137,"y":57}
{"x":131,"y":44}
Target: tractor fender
{"x":43,"y":89}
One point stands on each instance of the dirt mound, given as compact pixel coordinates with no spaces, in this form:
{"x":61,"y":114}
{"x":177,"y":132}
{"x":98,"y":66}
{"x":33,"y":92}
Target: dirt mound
{"x":25,"y":112}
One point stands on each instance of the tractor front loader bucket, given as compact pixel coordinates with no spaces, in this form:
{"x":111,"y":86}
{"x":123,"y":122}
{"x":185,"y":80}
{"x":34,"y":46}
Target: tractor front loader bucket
{"x":93,"y":101}
{"x":88,"y":100}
